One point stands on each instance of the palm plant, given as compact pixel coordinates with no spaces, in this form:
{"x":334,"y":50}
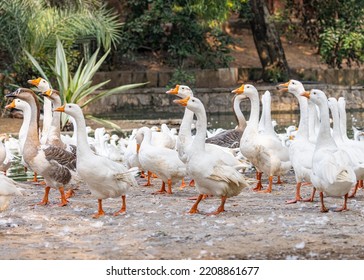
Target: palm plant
{"x":79,"y":88}
{"x":35,"y":25}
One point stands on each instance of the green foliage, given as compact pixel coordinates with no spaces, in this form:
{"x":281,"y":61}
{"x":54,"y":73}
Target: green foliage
{"x":181,"y":32}
{"x":79,"y":88}
{"x":335,"y":25}
{"x":35,"y":25}
{"x":181,"y":76}
{"x":6,"y":83}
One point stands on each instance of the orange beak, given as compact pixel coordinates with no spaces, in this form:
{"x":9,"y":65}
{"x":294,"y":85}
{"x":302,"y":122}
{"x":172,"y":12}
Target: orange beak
{"x":137,"y":148}
{"x":34,"y":82}
{"x":174,"y":90}
{"x":183,"y":101}
{"x":47,"y":93}
{"x":11,"y":105}
{"x":239,"y":90}
{"x":284,"y":87}
{"x":60,"y":109}
{"x":306,"y":94}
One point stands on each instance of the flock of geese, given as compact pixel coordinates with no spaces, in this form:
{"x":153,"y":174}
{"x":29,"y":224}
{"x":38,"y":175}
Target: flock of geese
{"x":320,"y":156}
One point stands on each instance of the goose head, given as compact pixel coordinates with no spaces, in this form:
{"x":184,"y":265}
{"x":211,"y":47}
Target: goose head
{"x":40,"y":84}
{"x":52,"y":95}
{"x":293,"y":86}
{"x":181,"y":91}
{"x":317,"y":96}
{"x":246,"y":90}
{"x":71,"y":109}
{"x":192,"y":103}
{"x":17,"y":104}
{"x":24,"y":94}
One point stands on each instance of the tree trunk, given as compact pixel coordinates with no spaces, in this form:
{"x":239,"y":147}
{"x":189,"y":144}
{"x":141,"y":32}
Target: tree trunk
{"x":268,"y":43}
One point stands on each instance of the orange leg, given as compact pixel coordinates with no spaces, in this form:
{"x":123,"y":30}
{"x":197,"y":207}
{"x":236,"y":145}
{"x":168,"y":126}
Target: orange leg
{"x":269,"y":189}
{"x":298,"y":194}
{"x":63,"y":197}
{"x":323,"y":208}
{"x":70,"y":193}
{"x":360,"y":184}
{"x":45,"y":197}
{"x":123,"y":206}
{"x":259,"y":179}
{"x":357,"y":186}
{"x":192,"y":183}
{"x":311,"y":197}
{"x":100,"y":211}
{"x":204,"y":196}
{"x":35,"y":178}
{"x":221,"y":207}
{"x":183,"y":184}
{"x":169,"y":191}
{"x":194,"y":209}
{"x":279,"y":182}
{"x":162,"y":190}
{"x":344,"y":208}
{"x":142,"y":174}
{"x":147,"y":184}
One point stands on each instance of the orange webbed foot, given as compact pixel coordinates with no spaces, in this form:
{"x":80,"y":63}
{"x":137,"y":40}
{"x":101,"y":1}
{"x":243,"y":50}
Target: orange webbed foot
{"x":294,"y":200}
{"x":193,"y":211}
{"x":98,"y":215}
{"x":265,"y":191}
{"x":119,"y":212}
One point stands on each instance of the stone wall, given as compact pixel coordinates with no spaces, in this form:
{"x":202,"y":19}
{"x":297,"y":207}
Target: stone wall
{"x":229,"y":77}
{"x":139,"y":103}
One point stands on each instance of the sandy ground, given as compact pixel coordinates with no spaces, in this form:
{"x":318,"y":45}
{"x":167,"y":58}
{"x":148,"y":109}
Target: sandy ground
{"x":254,"y":226}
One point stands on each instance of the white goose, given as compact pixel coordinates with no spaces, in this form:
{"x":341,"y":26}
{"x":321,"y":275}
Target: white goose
{"x":265,"y":125}
{"x":8,"y":189}
{"x":185,"y":139}
{"x":4,"y":162}
{"x":212,"y":175}
{"x":332,"y":173}
{"x":162,"y":161}
{"x":104,"y":177}
{"x":265,"y":152}
{"x":53,"y":163}
{"x":355,"y":152}
{"x":301,"y":149}
{"x":23,"y":132}
{"x":42,"y":85}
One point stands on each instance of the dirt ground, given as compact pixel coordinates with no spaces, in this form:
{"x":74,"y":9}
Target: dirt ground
{"x":254,"y":226}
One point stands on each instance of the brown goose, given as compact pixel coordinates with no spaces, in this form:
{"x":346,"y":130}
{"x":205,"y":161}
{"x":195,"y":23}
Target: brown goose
{"x":231,"y":138}
{"x":52,"y":162}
